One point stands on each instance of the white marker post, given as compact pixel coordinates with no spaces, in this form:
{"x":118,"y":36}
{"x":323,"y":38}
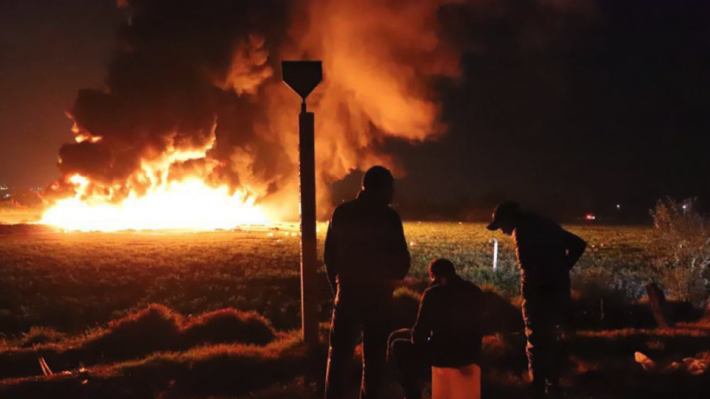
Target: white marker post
{"x":495,"y":253}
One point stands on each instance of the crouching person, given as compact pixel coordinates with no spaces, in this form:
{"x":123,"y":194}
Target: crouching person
{"x":447,"y":333}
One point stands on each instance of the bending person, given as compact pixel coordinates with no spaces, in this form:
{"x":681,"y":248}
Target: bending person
{"x":546,"y":254}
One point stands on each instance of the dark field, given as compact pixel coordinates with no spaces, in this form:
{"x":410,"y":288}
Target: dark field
{"x":71,"y":297}
{"x":71,"y":281}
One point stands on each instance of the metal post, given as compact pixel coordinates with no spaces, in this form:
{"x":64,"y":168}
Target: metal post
{"x":309,"y":256}
{"x":303,"y":77}
{"x":495,"y":253}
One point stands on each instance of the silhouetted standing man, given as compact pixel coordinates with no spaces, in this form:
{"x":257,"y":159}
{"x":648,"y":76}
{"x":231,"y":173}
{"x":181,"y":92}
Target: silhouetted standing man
{"x":546,"y":254}
{"x":365,"y":255}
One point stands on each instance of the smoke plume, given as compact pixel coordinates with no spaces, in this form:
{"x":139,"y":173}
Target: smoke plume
{"x":195,"y":84}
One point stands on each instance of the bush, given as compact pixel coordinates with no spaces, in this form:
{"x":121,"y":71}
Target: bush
{"x":681,"y":249}
{"x":229,"y":325}
{"x":201,"y":372}
{"x":40,"y":336}
{"x":158,"y":328}
{"x":153,"y":329}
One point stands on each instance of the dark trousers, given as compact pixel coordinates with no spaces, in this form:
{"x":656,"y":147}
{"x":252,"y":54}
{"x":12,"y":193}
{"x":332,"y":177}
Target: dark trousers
{"x":369,"y":317}
{"x":411,"y":362}
{"x":543,"y":313}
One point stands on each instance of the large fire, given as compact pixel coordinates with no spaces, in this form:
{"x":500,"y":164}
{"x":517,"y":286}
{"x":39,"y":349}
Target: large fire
{"x":193,"y":128}
{"x":187,"y":203}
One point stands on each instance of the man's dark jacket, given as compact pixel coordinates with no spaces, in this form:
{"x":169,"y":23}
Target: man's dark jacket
{"x":546,"y":253}
{"x":365,"y":249}
{"x":448,"y":326}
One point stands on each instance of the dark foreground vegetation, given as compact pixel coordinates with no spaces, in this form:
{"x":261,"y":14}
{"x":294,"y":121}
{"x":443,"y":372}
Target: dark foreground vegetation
{"x":230,"y":354}
{"x":85,"y":305}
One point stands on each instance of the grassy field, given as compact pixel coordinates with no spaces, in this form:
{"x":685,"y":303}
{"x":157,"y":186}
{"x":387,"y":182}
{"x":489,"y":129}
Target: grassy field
{"x":72,"y":281}
{"x":73,"y":298}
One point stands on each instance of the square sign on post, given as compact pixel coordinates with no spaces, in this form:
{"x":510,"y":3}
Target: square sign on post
{"x":302,"y":77}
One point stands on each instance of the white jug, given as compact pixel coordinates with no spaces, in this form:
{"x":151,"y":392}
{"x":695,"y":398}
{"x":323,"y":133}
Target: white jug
{"x":456,"y":383}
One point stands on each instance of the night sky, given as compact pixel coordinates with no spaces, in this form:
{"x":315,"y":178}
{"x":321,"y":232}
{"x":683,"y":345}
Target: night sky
{"x":48,"y":50}
{"x":613,"y":109}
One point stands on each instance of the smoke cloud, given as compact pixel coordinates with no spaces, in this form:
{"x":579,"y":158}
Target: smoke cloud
{"x":196,"y":83}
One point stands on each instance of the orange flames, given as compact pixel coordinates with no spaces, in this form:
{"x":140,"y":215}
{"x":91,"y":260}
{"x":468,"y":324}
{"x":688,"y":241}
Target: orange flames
{"x":128,"y":169}
{"x":187,"y":203}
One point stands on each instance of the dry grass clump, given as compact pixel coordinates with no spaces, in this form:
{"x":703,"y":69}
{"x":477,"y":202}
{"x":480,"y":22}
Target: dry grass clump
{"x":218,"y":371}
{"x":154,"y":329}
{"x":228,"y":325}
{"x":41,"y":336}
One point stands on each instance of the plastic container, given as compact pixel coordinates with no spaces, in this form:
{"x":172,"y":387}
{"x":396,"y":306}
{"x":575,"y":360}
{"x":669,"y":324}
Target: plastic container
{"x":460,"y":383}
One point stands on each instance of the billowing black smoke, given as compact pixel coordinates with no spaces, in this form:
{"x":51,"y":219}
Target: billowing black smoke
{"x":195,"y":74}
{"x":171,"y":86}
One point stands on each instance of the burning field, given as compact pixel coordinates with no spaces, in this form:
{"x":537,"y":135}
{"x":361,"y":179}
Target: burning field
{"x":195,"y":130}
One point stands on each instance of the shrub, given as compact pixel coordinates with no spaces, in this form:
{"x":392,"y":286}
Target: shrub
{"x":151,"y":330}
{"x":229,"y":325}
{"x":41,"y":335}
{"x":681,"y":248}
{"x":211,"y":371}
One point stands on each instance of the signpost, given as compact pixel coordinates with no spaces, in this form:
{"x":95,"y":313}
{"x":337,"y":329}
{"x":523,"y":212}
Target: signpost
{"x":302,"y":77}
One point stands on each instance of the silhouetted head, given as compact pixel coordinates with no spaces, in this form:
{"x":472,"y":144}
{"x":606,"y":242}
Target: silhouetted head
{"x":441,"y":270}
{"x":378,"y":183}
{"x":505,"y":217}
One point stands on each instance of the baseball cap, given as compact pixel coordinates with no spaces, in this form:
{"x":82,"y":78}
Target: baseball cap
{"x":502,"y":212}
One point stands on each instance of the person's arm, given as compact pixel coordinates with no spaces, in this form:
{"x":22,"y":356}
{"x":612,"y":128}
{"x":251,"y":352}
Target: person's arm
{"x":575,"y":247}
{"x":524,"y":249}
{"x":330,"y":255}
{"x":400,"y":260}
{"x":423,"y":325}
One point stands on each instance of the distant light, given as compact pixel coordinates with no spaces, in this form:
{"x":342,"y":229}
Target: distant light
{"x":685,"y":207}
{"x":590,"y":216}
{"x":618,"y":206}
